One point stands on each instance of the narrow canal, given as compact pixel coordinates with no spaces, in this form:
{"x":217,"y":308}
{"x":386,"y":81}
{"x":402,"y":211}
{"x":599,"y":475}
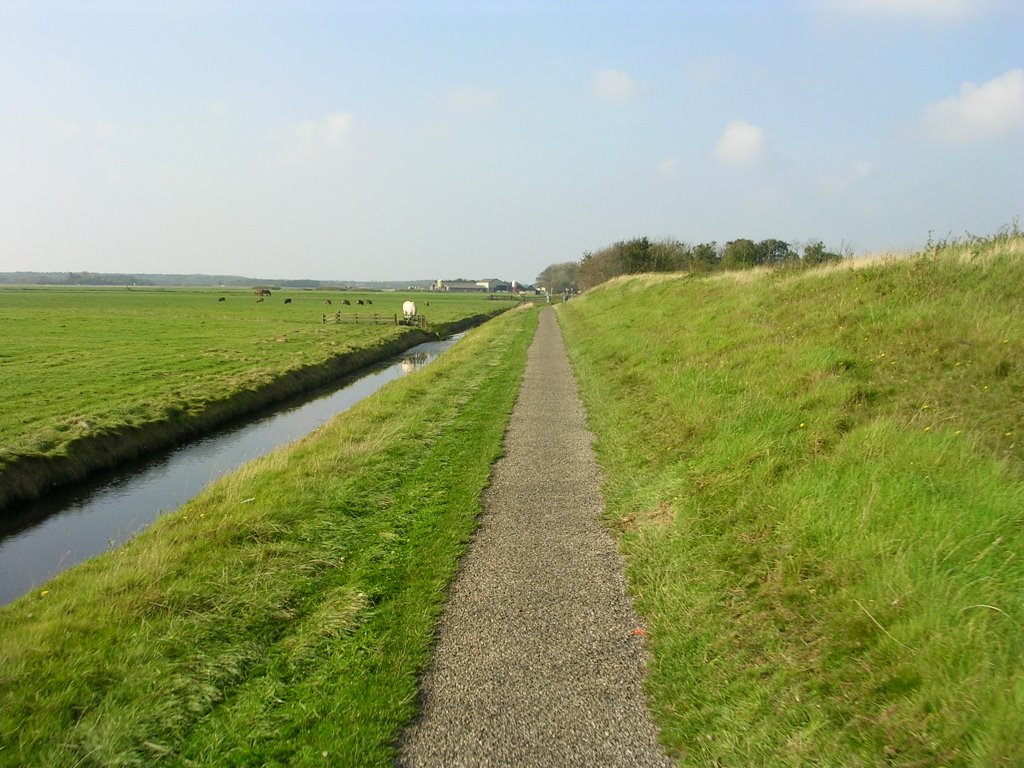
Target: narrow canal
{"x":59,"y":531}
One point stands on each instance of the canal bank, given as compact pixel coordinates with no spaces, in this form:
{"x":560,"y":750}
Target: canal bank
{"x":27,"y":478}
{"x":39,"y":540}
{"x":284,"y":615}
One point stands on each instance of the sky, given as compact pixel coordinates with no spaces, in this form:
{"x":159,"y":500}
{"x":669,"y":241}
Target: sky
{"x":489,"y":138}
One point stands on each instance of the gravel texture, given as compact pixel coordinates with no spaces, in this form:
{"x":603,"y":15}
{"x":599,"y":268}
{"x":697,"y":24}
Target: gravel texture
{"x":539,"y":659}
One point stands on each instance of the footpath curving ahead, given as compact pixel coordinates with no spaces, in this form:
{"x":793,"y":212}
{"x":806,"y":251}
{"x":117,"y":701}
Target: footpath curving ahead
{"x":538,"y":659}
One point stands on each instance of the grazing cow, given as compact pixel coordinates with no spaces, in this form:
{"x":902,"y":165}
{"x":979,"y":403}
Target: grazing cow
{"x":259,"y":300}
{"x":360,"y":302}
{"x":346,"y":302}
{"x":221,"y":299}
{"x":287,"y":301}
{"x":328,"y":301}
{"x":369,"y":302}
{"x":409,"y":309}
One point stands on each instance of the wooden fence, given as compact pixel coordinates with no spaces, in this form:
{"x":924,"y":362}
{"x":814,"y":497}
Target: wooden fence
{"x":374,"y":318}
{"x":355,"y":318}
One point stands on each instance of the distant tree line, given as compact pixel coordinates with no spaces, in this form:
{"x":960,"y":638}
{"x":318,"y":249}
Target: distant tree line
{"x":229,"y":281}
{"x":628,"y":257}
{"x":71,"y":278}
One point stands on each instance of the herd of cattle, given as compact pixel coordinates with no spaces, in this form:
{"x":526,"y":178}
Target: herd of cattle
{"x":264,"y":293}
{"x":410,"y":315}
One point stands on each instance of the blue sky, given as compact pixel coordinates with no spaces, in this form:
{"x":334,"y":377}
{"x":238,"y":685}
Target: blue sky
{"x":410,"y":140}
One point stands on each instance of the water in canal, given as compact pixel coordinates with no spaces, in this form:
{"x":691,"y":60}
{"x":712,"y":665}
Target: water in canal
{"x":49,"y":536}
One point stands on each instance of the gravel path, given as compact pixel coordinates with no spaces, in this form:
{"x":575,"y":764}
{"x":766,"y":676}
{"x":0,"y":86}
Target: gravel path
{"x":537,"y":662}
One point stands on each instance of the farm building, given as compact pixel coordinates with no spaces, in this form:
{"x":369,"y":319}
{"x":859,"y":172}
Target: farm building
{"x":471,"y":286}
{"x":459,"y":286}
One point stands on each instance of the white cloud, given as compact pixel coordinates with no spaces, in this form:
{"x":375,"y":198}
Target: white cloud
{"x":862,"y":168}
{"x":929,"y":10}
{"x":614,"y":86}
{"x":337,"y":126}
{"x":741,"y":144}
{"x":469,"y":99}
{"x":848,"y":175}
{"x":310,"y":139}
{"x":332,"y":129}
{"x":979,"y":112}
{"x":668,"y":169}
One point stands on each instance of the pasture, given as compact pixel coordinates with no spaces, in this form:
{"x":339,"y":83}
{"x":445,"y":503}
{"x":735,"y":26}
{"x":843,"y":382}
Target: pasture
{"x":817,"y":479}
{"x":282,"y":617}
{"x":80,"y":362}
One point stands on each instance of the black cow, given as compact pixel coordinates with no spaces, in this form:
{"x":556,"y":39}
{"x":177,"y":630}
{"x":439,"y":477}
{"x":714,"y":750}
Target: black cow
{"x":221,"y":299}
{"x":287,"y":301}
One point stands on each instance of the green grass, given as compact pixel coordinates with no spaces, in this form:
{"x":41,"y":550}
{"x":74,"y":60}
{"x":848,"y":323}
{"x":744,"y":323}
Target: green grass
{"x":817,"y":479}
{"x":95,"y":377}
{"x":82,"y":362}
{"x":283,"y":616}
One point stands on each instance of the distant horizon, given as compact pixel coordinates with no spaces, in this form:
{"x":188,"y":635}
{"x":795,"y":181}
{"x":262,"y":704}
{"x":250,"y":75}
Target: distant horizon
{"x":373,"y":139}
{"x":213,"y":276}
{"x":931,"y":236}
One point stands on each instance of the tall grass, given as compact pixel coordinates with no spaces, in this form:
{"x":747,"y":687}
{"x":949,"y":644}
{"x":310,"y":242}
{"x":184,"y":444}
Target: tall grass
{"x":818,"y":482}
{"x":283,"y":616}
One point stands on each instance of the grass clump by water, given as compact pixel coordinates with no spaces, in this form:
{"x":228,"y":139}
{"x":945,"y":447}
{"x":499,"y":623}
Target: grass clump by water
{"x":818,"y":483}
{"x":284,"y":615}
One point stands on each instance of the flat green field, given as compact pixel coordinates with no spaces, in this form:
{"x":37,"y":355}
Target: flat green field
{"x":77,"y":362}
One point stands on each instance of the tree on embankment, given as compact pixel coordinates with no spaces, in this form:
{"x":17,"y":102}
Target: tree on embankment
{"x":640,"y":254}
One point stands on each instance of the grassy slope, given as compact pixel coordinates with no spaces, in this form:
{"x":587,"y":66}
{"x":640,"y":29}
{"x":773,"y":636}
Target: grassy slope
{"x":818,"y":480}
{"x":79,"y":362}
{"x":283,"y":615}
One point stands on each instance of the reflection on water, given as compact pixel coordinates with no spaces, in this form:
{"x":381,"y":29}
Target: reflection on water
{"x":413,"y":361}
{"x":46,"y":537}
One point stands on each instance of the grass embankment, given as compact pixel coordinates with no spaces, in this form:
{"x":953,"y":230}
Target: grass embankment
{"x":281,"y":617}
{"x":818,"y":483}
{"x":92,"y":377}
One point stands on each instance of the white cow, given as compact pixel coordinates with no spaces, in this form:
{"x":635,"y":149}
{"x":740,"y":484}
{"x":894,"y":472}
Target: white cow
{"x":409,"y":309}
